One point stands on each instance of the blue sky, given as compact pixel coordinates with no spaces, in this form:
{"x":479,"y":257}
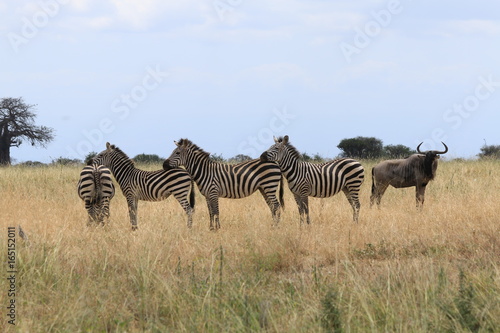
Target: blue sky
{"x":230,"y":74}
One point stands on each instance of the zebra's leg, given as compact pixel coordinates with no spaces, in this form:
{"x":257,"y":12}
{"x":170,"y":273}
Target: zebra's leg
{"x":132,"y":211}
{"x":104,"y":210}
{"x":273,"y":204}
{"x":90,"y":211}
{"x":213,"y":209}
{"x":305,"y":203}
{"x":182,"y":198}
{"x":302,"y":204}
{"x":353,"y":198}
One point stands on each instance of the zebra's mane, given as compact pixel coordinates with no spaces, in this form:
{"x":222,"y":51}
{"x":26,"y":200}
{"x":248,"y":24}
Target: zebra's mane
{"x":189,"y":143}
{"x":122,"y":154}
{"x":293,"y":151}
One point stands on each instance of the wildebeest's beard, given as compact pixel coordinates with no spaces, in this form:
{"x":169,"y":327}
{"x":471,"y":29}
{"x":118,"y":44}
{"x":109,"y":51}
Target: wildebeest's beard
{"x":429,"y":159}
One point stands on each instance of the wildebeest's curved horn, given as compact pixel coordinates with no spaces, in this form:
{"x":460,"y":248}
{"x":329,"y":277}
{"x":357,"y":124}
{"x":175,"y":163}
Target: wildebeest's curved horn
{"x":445,"y":150}
{"x":418,"y":148}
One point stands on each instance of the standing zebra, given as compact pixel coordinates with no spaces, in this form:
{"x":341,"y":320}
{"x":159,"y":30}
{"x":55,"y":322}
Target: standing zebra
{"x":139,"y":184}
{"x":316,"y":180}
{"x":228,"y":181}
{"x":96,"y":189}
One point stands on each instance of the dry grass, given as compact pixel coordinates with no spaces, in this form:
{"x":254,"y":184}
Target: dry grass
{"x":397,"y":270}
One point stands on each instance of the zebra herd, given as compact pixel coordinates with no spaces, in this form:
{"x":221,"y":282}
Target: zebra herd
{"x":217,"y":180}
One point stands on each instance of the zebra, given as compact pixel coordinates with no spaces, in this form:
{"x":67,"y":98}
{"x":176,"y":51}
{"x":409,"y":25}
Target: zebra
{"x":95,"y":187}
{"x":144,"y":185}
{"x":316,"y":180}
{"x":217,"y":180}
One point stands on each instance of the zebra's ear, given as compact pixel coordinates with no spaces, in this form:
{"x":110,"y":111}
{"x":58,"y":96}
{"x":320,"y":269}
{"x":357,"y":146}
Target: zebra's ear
{"x":276,"y":140}
{"x":176,"y":143}
{"x":285,"y":139}
{"x":108,"y":145}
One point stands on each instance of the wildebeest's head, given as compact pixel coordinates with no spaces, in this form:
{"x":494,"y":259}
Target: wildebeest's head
{"x":430,"y":159}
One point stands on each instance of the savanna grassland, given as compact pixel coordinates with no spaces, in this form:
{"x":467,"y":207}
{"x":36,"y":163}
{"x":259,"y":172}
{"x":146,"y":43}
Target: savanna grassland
{"x":398,"y":270}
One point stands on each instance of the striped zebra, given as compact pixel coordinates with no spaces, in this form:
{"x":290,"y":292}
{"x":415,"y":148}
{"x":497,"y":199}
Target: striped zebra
{"x":144,"y":185}
{"x":217,"y":180}
{"x":316,"y":180}
{"x":95,"y":187}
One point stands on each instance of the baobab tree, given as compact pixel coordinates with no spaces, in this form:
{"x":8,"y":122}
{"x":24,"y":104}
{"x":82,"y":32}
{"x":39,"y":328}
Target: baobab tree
{"x":17,"y":125}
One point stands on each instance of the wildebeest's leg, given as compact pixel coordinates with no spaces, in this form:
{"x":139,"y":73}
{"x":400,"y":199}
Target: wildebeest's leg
{"x":420,"y":195}
{"x":182,"y":198}
{"x":378,"y":190}
{"x":132,"y":211}
{"x":352,"y":197}
{"x":273,"y":204}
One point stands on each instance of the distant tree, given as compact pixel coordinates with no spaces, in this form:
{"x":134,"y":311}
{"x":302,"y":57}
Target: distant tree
{"x":306,"y":157}
{"x":490,"y":151}
{"x":217,"y":158}
{"x":32,"y":164}
{"x":148,"y":158}
{"x":361,"y":147}
{"x":239,"y":158}
{"x":17,"y":124}
{"x":397,"y":151}
{"x":66,"y":161}
{"x":89,"y":157}
{"x":318,"y":158}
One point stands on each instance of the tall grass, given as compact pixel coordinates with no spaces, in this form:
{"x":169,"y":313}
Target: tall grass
{"x":398,"y":270}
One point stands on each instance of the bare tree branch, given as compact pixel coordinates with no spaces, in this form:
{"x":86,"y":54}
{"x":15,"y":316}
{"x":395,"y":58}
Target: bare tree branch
{"x":17,"y":125}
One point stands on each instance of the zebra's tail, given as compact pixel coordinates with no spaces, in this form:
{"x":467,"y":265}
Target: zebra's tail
{"x":96,"y":193}
{"x":192,"y":201}
{"x":282,"y":202}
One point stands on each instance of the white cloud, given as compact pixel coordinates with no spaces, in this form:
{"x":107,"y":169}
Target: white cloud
{"x":276,"y":74}
{"x":131,"y":14}
{"x":483,"y":27}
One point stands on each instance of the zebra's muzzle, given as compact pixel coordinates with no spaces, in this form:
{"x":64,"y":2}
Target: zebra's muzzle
{"x":263,"y":157}
{"x":166,"y":165}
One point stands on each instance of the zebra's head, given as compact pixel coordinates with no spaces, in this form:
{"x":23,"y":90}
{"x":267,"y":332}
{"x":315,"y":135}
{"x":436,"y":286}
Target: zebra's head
{"x":276,"y":151}
{"x":179,"y":155}
{"x":104,"y":157}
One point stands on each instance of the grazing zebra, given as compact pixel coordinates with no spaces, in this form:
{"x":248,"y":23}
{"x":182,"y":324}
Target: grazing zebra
{"x":316,"y":180}
{"x":228,"y":181}
{"x":144,"y":185}
{"x":96,"y":189}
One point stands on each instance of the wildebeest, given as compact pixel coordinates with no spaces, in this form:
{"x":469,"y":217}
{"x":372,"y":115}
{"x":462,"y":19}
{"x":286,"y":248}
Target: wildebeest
{"x":416,"y":170}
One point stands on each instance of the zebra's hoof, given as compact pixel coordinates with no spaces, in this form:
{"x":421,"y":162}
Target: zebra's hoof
{"x":134,"y":228}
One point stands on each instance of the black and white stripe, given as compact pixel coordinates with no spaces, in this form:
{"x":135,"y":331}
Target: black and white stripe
{"x":144,"y":185}
{"x":316,"y":180}
{"x":95,"y":187}
{"x":217,"y":180}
